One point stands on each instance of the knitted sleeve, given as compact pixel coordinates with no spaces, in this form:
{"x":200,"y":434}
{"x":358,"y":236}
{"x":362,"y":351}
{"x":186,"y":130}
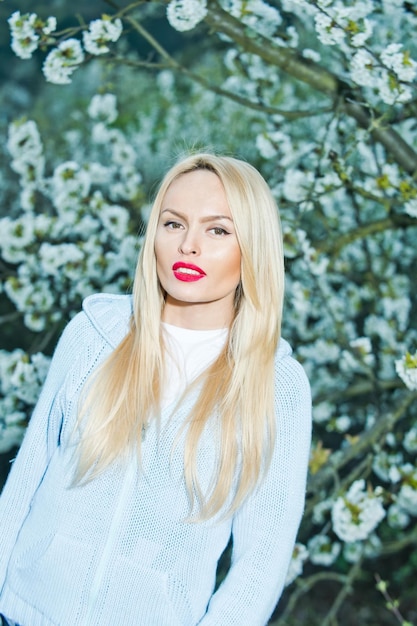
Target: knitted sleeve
{"x":264,"y":529}
{"x":40,"y":441}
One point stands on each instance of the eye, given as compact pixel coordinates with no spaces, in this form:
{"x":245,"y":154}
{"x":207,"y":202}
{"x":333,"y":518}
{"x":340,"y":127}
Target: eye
{"x":172,"y":225}
{"x":218,"y":230}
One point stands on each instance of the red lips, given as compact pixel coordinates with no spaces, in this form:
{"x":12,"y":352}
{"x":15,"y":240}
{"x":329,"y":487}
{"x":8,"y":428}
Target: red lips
{"x":187,"y":272}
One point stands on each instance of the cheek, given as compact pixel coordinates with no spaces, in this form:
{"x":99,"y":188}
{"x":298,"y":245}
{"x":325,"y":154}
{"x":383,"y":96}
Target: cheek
{"x":159,"y":252}
{"x":235,"y":261}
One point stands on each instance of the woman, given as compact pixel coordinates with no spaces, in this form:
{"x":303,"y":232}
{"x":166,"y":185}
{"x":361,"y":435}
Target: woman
{"x":169,"y":422}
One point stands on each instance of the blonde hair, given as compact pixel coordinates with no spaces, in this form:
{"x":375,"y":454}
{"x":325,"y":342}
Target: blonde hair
{"x":239,"y":385}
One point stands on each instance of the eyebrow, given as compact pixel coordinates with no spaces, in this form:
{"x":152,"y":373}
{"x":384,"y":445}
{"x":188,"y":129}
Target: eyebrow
{"x":209,"y":218}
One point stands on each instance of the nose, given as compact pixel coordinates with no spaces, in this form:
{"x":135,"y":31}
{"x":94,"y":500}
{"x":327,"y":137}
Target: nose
{"x":189,"y":244}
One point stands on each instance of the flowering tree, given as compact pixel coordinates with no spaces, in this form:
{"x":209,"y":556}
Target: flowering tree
{"x":321,"y":97}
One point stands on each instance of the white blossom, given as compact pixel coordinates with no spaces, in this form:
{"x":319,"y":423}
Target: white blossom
{"x":16,"y":234}
{"x":98,"y":173}
{"x":25,"y":146}
{"x":128,"y":184}
{"x":397,"y":517}
{"x":124,"y":259}
{"x":313,"y":55}
{"x":362,"y":344}
{"x":363,"y":69}
{"x":100,"y":32}
{"x":257,"y":14}
{"x":101,"y":134}
{"x":62,"y":61}
{"x":406,"y":368}
{"x":391,"y":94}
{"x":322,"y":550}
{"x":323,"y":412}
{"x":24,"y":37}
{"x":356,"y":514}
{"x":327,"y":30}
{"x":12,"y":423}
{"x":21,"y":375}
{"x":321,"y":511}
{"x":26,"y":31}
{"x":25,"y":380}
{"x":54,"y":256}
{"x":115,"y":219}
{"x":299,"y":556}
{"x":186,"y":14}
{"x":297,"y":185}
{"x":410,"y":207}
{"x":265,"y":146}
{"x":360,"y":38}
{"x":342,"y":423}
{"x":69,"y":178}
{"x":410,"y":440}
{"x":352,"y":551}
{"x":401,"y":63}
{"x":407,"y":497}
{"x":103,"y":107}
{"x":123,"y":154}
{"x":24,"y":138}
{"x":386,"y":466}
{"x":166,"y":82}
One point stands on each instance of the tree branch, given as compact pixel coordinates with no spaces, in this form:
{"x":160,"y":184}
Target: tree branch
{"x":335,"y":245}
{"x":246,"y":102}
{"x":304,"y":585}
{"x":317,"y":77}
{"x":367,"y":439}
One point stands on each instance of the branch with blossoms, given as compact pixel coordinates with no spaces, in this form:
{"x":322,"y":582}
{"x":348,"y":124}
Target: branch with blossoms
{"x":29,"y":33}
{"x":305,"y":585}
{"x":333,"y":246}
{"x":321,"y":80}
{"x":364,"y":443}
{"x":392,"y":73}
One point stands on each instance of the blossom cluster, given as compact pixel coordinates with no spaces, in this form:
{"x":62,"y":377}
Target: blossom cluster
{"x":259,"y":15}
{"x":388,"y":72}
{"x":29,"y":32}
{"x":359,"y":31}
{"x":21,"y":378}
{"x":357,"y":513}
{"x":62,"y":61}
{"x":83,"y":241}
{"x":392,"y":78}
{"x":348,"y":330}
{"x":186,"y":14}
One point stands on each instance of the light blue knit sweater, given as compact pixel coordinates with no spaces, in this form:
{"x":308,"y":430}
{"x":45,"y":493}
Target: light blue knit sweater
{"x":117,"y":551}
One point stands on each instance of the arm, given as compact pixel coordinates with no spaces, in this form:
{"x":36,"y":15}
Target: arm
{"x":41,"y":439}
{"x":264,"y":529}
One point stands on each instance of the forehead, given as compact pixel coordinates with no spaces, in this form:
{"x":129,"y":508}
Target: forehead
{"x":199,"y":185}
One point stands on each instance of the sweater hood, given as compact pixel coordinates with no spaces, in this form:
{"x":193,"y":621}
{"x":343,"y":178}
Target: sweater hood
{"x":110,"y":315}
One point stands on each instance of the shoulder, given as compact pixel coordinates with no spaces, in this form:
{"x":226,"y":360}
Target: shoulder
{"x":109,"y":314}
{"x":292,"y":387}
{"x":286,"y":363}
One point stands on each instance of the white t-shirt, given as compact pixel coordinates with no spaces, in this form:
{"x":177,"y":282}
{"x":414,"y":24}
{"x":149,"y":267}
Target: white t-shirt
{"x":189,"y":353}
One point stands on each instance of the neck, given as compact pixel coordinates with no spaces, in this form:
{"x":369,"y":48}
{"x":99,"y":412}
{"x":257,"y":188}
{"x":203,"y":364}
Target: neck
{"x":201,"y":316}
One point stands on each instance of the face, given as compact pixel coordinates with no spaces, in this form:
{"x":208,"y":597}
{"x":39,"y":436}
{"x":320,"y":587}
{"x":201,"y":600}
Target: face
{"x":197,"y":252}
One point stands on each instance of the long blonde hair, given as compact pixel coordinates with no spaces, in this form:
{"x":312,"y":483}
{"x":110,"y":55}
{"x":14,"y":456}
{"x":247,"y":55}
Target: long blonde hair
{"x":125,"y":391}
